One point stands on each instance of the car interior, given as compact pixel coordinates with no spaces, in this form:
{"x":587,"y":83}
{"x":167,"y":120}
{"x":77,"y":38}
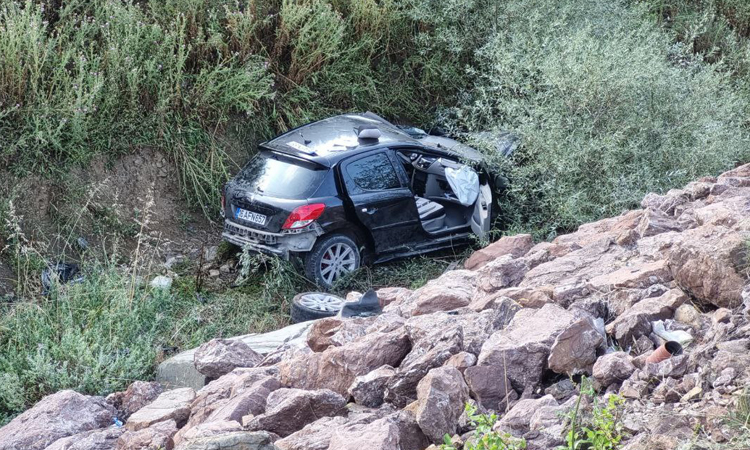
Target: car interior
{"x":440,"y":211}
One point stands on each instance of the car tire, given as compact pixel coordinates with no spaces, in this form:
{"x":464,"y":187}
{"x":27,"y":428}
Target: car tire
{"x":315,"y":305}
{"x":338,"y":248}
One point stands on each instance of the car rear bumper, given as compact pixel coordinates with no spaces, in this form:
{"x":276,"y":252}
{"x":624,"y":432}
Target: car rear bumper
{"x":279,"y":244}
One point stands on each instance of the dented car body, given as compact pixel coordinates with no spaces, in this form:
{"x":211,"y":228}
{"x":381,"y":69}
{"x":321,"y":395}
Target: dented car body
{"x":354,"y":187}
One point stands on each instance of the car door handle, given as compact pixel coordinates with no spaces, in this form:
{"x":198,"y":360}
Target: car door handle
{"x":369,"y":210}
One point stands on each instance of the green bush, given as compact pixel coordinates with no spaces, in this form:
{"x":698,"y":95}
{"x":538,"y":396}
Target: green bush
{"x":607,"y":108}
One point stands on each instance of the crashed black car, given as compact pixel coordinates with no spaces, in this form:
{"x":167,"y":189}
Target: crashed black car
{"x":355,"y":188}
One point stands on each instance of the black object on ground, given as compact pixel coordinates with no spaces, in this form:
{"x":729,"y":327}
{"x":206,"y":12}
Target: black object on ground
{"x":60,"y":272}
{"x":367,"y":306}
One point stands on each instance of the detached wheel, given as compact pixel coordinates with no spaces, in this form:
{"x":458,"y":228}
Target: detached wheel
{"x":331,"y":258}
{"x":315,"y":305}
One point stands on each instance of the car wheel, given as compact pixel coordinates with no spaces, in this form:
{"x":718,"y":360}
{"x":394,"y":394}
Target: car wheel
{"x":331,"y":258}
{"x":315,"y":305}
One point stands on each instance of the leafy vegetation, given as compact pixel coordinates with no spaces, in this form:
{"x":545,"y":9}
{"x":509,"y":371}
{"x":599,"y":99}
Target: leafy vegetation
{"x":603,"y":431}
{"x":484,"y":437}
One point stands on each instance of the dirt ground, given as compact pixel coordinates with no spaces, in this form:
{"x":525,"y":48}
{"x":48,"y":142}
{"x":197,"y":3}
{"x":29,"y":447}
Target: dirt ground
{"x":132,"y":204}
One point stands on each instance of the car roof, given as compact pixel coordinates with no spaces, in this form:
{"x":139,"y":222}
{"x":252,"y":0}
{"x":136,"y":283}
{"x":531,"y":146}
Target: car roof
{"x":330,"y":140}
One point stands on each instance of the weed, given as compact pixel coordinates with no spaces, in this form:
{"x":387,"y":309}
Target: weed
{"x":603,"y":431}
{"x":484,"y":437}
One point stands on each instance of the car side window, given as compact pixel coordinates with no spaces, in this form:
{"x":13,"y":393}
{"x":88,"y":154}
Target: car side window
{"x":372,"y":173}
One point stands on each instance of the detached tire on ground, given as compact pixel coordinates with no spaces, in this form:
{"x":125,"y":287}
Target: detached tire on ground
{"x":315,"y":305}
{"x":332,"y":257}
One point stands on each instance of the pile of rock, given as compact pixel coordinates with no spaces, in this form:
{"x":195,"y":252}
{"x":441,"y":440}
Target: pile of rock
{"x":505,"y":333}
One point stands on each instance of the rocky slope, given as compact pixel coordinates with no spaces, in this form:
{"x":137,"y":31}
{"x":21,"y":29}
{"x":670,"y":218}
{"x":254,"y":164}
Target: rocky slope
{"x":505,"y":333}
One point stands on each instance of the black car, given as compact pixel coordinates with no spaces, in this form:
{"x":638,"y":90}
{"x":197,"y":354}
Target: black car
{"x":355,"y":187}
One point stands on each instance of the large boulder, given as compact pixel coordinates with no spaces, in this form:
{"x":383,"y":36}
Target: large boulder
{"x":489,"y":386}
{"x":288,"y":410}
{"x":313,"y":436}
{"x":218,"y":357}
{"x":516,"y":246}
{"x":337,"y":367}
{"x":441,"y":398}
{"x":368,"y":390}
{"x":427,"y":353}
{"x":156,"y":437}
{"x":522,"y":349}
{"x":574,"y":350}
{"x":517,"y":421}
{"x":334,"y":331}
{"x":237,"y":440}
{"x":613,"y":368}
{"x":54,"y":417}
{"x":503,"y":272}
{"x":135,"y":397}
{"x":102,"y":439}
{"x":705,"y":265}
{"x":170,"y":405}
{"x":475,"y":327}
{"x":450,"y":291}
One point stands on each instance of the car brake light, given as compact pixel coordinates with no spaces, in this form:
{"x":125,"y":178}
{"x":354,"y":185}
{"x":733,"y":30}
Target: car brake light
{"x":303,"y":216}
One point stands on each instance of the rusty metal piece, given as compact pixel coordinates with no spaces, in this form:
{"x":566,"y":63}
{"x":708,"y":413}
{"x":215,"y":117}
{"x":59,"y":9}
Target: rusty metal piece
{"x":665,"y":351}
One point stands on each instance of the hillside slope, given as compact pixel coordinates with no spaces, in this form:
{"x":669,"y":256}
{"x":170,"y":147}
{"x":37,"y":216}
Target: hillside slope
{"x":503,"y":335}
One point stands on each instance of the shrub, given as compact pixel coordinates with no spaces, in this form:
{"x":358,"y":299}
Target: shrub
{"x":605,"y":112}
{"x":484,"y":437}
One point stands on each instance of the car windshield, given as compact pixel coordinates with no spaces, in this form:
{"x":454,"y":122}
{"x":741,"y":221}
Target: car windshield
{"x":277,"y":176}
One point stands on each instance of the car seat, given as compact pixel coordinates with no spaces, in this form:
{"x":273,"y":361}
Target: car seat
{"x":431,"y":214}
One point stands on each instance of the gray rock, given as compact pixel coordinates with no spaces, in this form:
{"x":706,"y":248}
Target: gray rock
{"x":517,"y":421}
{"x":489,"y":387}
{"x":170,"y":405}
{"x":238,"y":440}
{"x":102,"y":439}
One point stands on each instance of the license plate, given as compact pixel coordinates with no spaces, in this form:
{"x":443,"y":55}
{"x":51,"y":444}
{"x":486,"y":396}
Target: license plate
{"x":250,"y":216}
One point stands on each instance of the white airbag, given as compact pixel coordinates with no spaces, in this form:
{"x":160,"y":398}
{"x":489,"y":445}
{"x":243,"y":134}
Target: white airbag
{"x":465,"y":184}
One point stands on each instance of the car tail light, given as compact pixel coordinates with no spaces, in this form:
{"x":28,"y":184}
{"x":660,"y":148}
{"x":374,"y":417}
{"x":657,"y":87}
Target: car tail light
{"x":303,"y":216}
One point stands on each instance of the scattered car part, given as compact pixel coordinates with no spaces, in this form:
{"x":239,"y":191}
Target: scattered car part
{"x":60,"y":272}
{"x":368,"y":305}
{"x":315,"y":305}
{"x":679,"y":336}
{"x":664,"y":352}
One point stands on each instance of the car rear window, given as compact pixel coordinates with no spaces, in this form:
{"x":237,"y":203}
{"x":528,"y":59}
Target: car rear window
{"x":277,"y":176}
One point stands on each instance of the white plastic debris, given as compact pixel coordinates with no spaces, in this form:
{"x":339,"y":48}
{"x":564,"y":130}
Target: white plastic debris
{"x":683,"y":337}
{"x":465,"y":184}
{"x":161,"y":282}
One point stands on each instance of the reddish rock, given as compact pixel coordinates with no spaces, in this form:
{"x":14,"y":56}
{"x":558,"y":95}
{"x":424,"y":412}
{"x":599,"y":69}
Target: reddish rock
{"x":218,"y":357}
{"x":516,"y":246}
{"x":337,"y":367}
{"x":636,"y":321}
{"x":705,"y":264}
{"x":450,"y":291}
{"x":368,"y":390}
{"x":54,"y":417}
{"x":523,"y":347}
{"x":461,"y":361}
{"x":103,"y":439}
{"x":156,"y":437}
{"x":334,"y":331}
{"x":613,"y":368}
{"x":138,"y":395}
{"x":288,"y":410}
{"x":489,"y":386}
{"x":503,"y":272}
{"x":441,"y":397}
{"x":574,"y":350}
{"x":517,"y":421}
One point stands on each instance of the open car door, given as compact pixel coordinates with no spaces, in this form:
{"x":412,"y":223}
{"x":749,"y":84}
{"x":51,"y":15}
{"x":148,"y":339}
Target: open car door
{"x":480,"y":219}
